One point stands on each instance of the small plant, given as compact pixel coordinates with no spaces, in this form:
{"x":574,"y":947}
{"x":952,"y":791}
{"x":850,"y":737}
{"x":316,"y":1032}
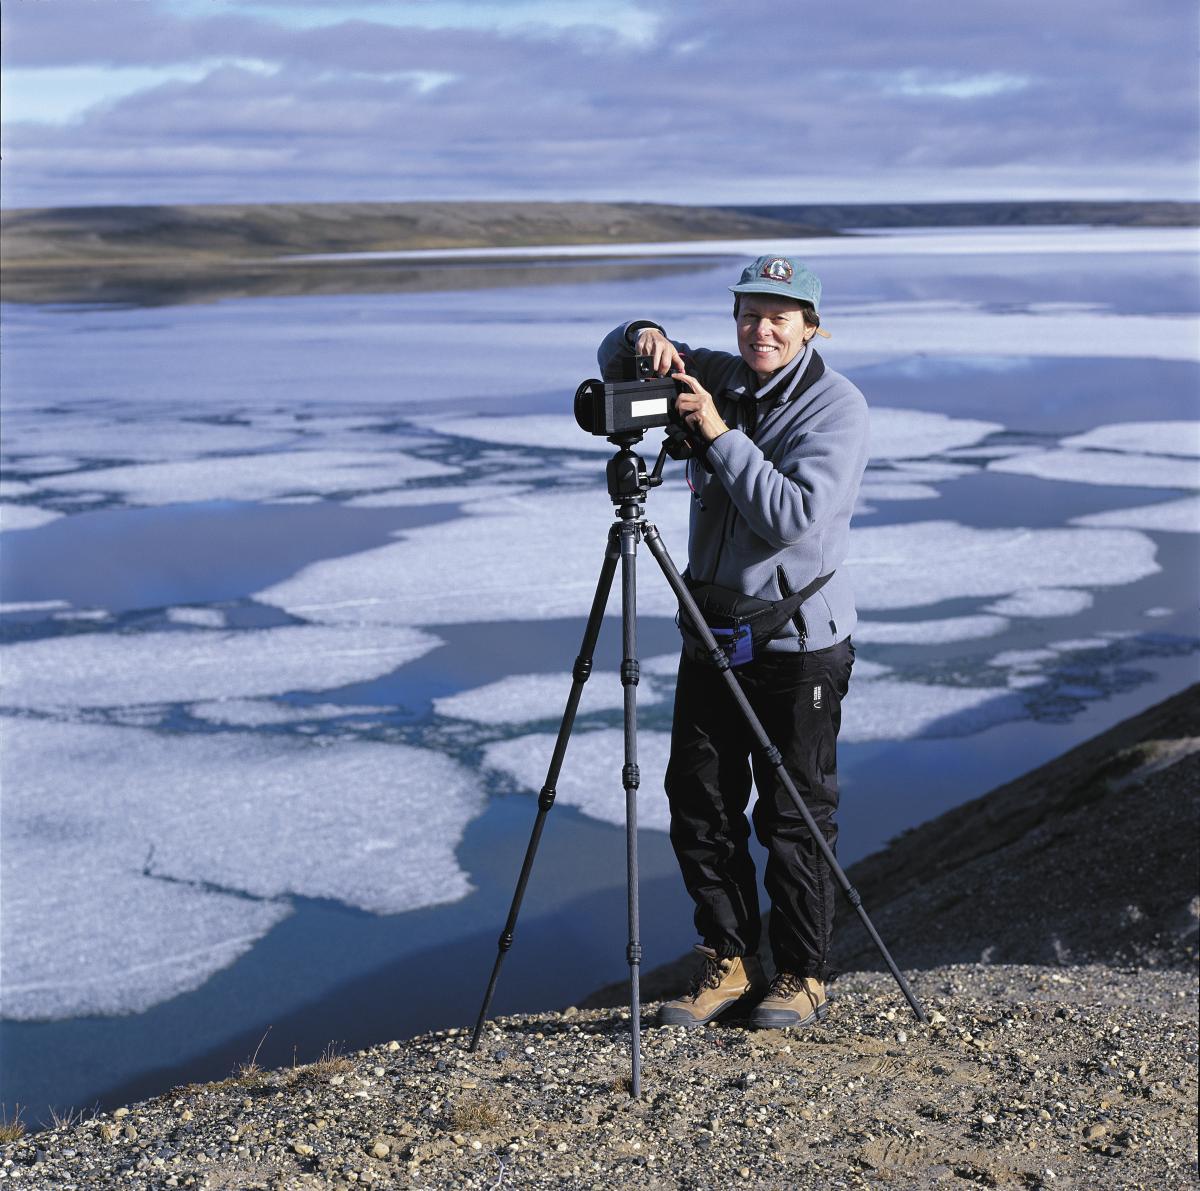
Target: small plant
{"x":11,"y":1129}
{"x":250,"y":1074}
{"x":332,"y":1062}
{"x":475,"y":1113}
{"x":59,"y":1122}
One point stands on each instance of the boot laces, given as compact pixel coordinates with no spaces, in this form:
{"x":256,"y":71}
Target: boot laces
{"x":710,"y":975}
{"x":785,"y":986}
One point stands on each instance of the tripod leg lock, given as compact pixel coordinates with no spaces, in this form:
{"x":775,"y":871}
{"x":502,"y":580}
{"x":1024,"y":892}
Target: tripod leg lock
{"x":506,"y":940}
{"x":583,"y":669}
{"x":546,"y":797}
{"x":853,"y":896}
{"x":719,"y":659}
{"x":631,"y":777}
{"x":773,"y":756}
{"x":631,"y":672}
{"x":634,"y":953}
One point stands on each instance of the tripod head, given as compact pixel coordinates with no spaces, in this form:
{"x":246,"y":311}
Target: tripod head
{"x":628,"y":480}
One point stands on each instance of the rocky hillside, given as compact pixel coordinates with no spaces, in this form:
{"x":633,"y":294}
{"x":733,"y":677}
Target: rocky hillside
{"x":1063,"y":1055}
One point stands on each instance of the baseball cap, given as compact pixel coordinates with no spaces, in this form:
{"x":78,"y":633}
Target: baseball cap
{"x":782,"y":276}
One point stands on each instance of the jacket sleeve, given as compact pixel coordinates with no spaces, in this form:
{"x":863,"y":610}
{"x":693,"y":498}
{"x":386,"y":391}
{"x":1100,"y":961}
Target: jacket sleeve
{"x":616,"y":348}
{"x":818,"y":473}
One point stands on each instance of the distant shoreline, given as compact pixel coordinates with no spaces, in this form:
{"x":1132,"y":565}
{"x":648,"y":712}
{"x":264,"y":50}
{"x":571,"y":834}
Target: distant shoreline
{"x":168,"y":254}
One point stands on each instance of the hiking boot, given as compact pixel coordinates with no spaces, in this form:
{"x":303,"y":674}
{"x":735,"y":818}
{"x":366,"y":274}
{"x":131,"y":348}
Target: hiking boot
{"x":720,"y":985}
{"x":791,"y":1001}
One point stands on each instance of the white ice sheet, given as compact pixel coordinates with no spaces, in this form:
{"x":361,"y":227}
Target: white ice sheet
{"x":1103,"y":467}
{"x":1172,"y":516}
{"x":137,"y":864}
{"x":122,"y":669}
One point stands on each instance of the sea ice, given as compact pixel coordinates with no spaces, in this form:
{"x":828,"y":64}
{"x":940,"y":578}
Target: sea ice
{"x":554,"y":431}
{"x":891,"y":709}
{"x":255,"y":477}
{"x":25,"y":516}
{"x":1043,"y":601}
{"x":915,"y":434}
{"x":138,"y":439}
{"x":1103,"y":467}
{"x":525,"y":698}
{"x":898,"y":566}
{"x":528,"y":557}
{"x":894,"y":490}
{"x":446,"y":494}
{"x":137,"y":863}
{"x":1172,"y":516}
{"x":928,"y":632}
{"x":111,"y":669}
{"x":591,"y":774}
{"x":1151,"y":438}
{"x":257,"y":713}
{"x":212,"y":618}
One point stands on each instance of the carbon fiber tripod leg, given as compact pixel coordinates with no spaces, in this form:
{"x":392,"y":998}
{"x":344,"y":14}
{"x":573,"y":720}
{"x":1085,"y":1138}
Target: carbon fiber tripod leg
{"x":688,"y":606}
{"x":580,"y":675}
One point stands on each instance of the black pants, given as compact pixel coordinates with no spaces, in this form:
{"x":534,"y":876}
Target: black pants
{"x":798,"y":698}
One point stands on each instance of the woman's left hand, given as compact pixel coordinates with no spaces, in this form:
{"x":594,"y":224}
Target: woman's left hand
{"x":697,"y":409}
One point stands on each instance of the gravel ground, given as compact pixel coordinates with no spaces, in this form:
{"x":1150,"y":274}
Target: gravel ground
{"x":1079,"y":1072}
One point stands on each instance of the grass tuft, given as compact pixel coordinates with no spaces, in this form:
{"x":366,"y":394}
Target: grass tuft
{"x":474,"y":1113}
{"x":11,"y":1129}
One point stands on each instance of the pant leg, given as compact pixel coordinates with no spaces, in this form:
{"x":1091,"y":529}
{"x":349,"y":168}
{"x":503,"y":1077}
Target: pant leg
{"x":708,"y":787}
{"x":798,"y":697}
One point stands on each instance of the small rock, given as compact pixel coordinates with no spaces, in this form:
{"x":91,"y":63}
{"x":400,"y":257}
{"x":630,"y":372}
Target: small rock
{"x":186,"y":1115}
{"x":901,"y":1036}
{"x":393,"y":1045}
{"x":302,"y":1148}
{"x":119,"y":1113}
{"x":988,"y":1119}
{"x":380,"y":1149}
{"x":1092,"y":1132}
{"x":130,"y":1132}
{"x":744,"y":1172}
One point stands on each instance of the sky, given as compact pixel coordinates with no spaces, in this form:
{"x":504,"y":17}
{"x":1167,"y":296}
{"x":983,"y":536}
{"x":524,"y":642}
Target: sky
{"x":695,"y":101}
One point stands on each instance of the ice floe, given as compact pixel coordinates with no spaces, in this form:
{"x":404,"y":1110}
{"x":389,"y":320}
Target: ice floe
{"x":212,"y":618}
{"x":898,"y":566}
{"x":590,"y":779}
{"x":517,"y":558}
{"x":25,"y":516}
{"x":525,"y":698}
{"x":255,"y":477}
{"x":928,"y":632}
{"x":555,"y":431}
{"x":1103,"y":467}
{"x":258,"y":713}
{"x":442,"y":495}
{"x":137,"y":864}
{"x":893,"y":709}
{"x":115,"y":670}
{"x":1152,"y":438}
{"x":1172,"y":516}
{"x":896,"y":490}
{"x":140,"y":439}
{"x":1043,"y":602}
{"x":915,"y":434}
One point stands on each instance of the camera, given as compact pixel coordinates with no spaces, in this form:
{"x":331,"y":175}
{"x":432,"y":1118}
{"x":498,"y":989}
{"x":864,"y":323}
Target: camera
{"x":640,"y":402}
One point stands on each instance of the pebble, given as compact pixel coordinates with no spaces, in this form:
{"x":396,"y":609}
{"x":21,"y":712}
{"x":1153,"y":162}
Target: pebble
{"x":380,"y":1149}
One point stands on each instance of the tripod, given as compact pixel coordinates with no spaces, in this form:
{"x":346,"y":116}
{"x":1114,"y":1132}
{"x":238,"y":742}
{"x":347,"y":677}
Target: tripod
{"x":628,"y":486}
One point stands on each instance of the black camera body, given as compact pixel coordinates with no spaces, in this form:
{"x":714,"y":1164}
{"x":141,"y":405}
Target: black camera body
{"x":640,"y":402}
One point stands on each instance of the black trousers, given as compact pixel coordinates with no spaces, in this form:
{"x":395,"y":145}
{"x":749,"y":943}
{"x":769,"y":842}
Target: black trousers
{"x":798,"y":698}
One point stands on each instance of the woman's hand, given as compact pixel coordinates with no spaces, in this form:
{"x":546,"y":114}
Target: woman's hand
{"x":695,"y":406}
{"x":653,"y":343}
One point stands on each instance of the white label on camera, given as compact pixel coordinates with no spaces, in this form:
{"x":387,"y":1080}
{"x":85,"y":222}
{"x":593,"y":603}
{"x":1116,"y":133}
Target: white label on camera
{"x":651,"y":407}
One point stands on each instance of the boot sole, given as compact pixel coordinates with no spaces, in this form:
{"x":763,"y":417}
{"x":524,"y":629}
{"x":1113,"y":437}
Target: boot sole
{"x":787,"y":1019}
{"x":669,"y":1016}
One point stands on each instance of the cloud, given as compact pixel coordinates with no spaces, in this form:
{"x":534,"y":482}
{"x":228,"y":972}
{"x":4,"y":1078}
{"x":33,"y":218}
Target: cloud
{"x":705,"y":102}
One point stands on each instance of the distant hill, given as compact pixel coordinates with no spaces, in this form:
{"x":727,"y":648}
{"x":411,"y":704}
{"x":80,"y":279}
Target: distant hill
{"x":151,"y":255}
{"x":1000,"y":214}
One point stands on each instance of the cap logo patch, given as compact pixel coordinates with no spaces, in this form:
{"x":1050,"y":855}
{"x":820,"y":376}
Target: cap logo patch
{"x":778,"y":268}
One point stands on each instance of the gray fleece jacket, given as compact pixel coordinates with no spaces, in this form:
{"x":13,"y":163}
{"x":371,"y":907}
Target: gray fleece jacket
{"x":777,"y":505}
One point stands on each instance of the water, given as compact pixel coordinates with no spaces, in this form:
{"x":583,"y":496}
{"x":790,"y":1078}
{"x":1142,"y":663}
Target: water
{"x":292,"y":587}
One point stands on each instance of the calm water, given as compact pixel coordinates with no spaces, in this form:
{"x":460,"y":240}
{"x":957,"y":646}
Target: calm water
{"x":292,"y":588}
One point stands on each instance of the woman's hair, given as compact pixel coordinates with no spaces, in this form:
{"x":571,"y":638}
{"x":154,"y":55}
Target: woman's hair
{"x":811,"y":317}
